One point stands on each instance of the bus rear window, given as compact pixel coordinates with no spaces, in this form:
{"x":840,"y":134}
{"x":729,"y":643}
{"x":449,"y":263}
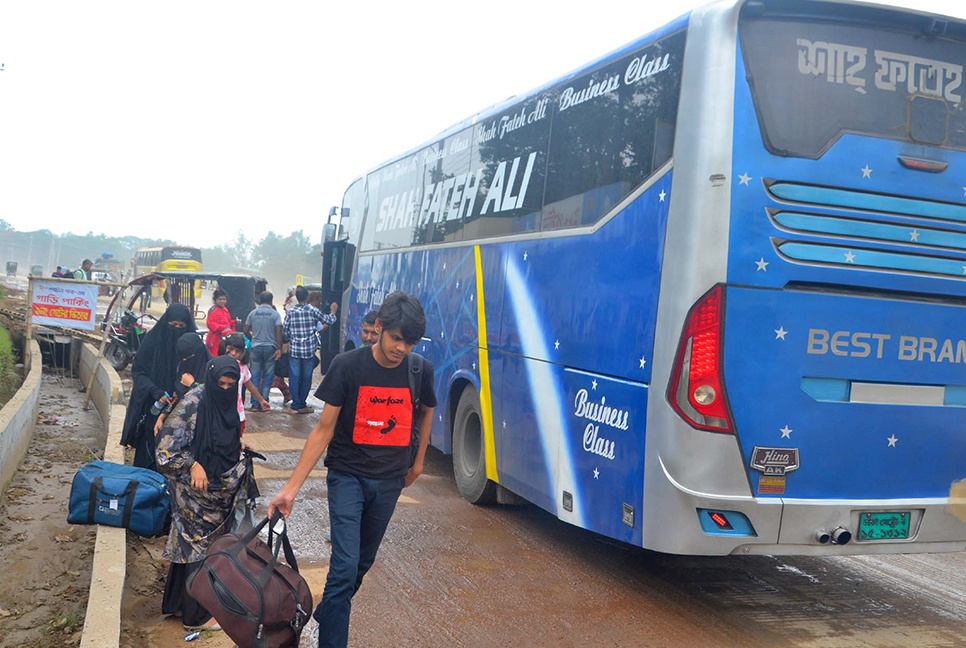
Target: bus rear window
{"x":834,"y":69}
{"x":181,"y":254}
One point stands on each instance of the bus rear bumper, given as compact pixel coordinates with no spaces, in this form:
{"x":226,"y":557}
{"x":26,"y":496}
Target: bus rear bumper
{"x":786,"y":526}
{"x":932,"y":527}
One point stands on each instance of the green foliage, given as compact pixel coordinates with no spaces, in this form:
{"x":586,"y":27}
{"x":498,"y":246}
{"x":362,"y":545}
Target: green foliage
{"x":278,"y":258}
{"x":9,"y":378}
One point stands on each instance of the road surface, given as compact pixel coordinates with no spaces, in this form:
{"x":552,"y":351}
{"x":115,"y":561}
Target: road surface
{"x":450,"y":574}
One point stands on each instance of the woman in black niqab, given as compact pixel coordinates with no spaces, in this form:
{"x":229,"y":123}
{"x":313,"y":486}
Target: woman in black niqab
{"x":193,"y":360}
{"x":154,"y":373}
{"x":203,"y":433}
{"x":217,"y":441}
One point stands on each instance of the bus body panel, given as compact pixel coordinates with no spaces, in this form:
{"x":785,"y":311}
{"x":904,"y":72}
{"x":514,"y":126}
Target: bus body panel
{"x":803,"y":370}
{"x":685,"y":468}
{"x":539,"y":350}
{"x":817,"y":246}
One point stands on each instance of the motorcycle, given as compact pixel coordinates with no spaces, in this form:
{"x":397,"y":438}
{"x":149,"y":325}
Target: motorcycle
{"x":125,"y":339}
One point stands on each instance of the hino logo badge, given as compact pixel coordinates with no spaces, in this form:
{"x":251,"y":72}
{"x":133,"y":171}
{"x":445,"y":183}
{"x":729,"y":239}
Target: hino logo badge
{"x":774,"y":461}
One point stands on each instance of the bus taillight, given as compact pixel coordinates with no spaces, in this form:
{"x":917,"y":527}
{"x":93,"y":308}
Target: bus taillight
{"x":696,"y":390}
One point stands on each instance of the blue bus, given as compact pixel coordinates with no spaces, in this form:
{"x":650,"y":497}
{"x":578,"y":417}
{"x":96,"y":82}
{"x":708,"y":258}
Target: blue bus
{"x":705,"y":294}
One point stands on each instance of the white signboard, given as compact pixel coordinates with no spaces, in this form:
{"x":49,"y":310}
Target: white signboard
{"x":64,"y":304}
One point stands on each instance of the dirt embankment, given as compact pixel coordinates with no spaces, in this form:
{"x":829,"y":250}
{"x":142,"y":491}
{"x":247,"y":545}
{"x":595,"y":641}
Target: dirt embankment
{"x":47,"y":562}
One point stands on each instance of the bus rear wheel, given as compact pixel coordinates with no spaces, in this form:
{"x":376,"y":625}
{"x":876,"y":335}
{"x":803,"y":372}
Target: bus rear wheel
{"x":469,"y":456}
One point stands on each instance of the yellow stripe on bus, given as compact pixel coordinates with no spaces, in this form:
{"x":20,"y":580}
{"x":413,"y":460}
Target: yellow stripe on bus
{"x":486,"y":402}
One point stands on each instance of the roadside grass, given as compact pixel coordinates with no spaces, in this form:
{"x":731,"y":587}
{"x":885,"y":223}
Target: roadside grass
{"x":10,"y":378}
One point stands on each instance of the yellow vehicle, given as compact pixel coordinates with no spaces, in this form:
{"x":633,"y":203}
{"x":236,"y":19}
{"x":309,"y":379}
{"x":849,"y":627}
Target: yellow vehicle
{"x":171,"y":258}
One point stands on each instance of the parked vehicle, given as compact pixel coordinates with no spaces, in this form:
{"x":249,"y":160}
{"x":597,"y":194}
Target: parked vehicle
{"x":125,"y":339}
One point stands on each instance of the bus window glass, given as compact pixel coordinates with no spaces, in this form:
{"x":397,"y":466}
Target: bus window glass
{"x":814,"y":79}
{"x":508,"y":170}
{"x":180,"y":254}
{"x":426,"y":174}
{"x":389,"y":223}
{"x":446,"y":169}
{"x":611,"y":129}
{"x":353,"y":209}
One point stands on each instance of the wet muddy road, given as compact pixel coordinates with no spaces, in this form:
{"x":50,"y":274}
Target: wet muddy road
{"x":452,"y":574}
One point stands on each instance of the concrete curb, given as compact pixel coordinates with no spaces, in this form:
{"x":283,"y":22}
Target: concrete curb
{"x":18,"y":418}
{"x":102,"y":624}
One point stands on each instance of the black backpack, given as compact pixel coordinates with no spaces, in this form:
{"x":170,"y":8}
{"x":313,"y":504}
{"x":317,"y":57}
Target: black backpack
{"x":415,"y":378}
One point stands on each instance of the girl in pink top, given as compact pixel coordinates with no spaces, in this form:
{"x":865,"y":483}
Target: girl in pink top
{"x":233,"y":344}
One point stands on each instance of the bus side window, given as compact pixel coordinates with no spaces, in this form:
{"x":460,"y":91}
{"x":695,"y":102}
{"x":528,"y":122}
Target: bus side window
{"x":508,"y":170}
{"x":445,"y":179}
{"x":612,"y":128}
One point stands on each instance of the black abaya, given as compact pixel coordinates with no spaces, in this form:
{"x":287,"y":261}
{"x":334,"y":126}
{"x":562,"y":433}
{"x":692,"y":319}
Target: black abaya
{"x":153,"y":373}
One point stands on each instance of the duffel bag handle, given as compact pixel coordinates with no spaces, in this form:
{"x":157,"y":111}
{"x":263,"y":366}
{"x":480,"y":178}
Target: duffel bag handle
{"x":283,"y":539}
{"x":97,"y":486}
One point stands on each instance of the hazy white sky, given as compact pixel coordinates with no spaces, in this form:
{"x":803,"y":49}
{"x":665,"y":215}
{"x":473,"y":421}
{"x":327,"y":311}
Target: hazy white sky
{"x":194,"y":120}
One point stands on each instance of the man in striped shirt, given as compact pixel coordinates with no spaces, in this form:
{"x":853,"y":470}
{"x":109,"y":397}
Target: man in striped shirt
{"x":300,"y":326}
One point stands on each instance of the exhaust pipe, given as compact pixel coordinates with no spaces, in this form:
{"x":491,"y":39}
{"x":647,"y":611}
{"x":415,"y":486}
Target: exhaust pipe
{"x":841,"y":536}
{"x":823,"y":537}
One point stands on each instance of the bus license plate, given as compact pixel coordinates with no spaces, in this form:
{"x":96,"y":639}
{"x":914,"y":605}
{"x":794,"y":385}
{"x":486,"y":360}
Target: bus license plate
{"x":893,"y":525}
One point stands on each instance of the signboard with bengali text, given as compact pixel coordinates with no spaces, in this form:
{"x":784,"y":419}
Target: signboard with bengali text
{"x":64,"y":304}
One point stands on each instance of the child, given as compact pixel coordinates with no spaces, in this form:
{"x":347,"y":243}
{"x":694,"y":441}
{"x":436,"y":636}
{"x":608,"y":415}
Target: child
{"x":233,"y":344}
{"x":281,"y":373}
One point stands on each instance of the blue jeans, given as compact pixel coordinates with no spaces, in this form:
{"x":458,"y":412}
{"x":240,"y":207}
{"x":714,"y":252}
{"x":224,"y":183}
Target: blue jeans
{"x":263,"y":369}
{"x":359,"y":512}
{"x":300,"y":380}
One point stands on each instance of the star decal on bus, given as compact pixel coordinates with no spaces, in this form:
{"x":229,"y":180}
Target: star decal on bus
{"x":504,"y":424}
{"x":892,"y":441}
{"x":593,"y":384}
{"x":786,"y":432}
{"x":474,"y":366}
{"x":643,"y":362}
{"x":744,"y":179}
{"x":849,"y":257}
{"x":762,"y":264}
{"x":914,"y":235}
{"x":661,"y":196}
{"x":780,"y":333}
{"x":596,"y":474}
{"x":556,"y":345}
{"x":524,"y":256}
{"x":866,"y":171}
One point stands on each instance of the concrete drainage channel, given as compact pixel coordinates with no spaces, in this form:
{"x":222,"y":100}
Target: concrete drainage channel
{"x":102,"y":624}
{"x":18,"y":419}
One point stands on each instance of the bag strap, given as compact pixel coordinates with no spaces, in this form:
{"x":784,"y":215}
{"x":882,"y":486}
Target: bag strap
{"x":415,"y":382}
{"x":129,"y":503}
{"x":415,"y":373}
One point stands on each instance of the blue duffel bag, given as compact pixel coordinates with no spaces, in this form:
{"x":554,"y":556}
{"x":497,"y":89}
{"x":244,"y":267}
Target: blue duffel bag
{"x":121,"y":496}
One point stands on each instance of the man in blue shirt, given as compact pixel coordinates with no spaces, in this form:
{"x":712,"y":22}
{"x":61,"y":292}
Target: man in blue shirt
{"x":300,"y":326}
{"x":264,"y":328}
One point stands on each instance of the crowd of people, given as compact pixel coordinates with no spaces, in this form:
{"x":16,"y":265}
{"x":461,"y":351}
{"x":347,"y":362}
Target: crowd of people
{"x":186,"y":419}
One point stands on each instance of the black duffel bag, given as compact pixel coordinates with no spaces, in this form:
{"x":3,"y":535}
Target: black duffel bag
{"x":258,"y":601}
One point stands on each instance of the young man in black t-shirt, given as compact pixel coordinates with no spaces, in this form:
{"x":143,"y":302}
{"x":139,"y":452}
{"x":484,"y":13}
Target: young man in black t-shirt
{"x":367,"y":426}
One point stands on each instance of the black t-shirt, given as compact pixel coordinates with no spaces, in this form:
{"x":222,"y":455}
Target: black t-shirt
{"x":374,"y":428}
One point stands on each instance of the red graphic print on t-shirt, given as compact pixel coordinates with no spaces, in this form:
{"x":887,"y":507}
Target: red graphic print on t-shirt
{"x":384,"y":416}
